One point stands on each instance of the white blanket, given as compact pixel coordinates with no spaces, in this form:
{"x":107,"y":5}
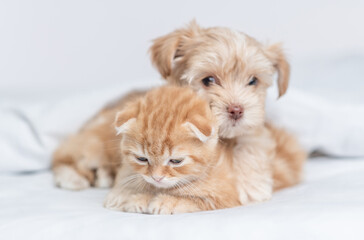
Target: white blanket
{"x":329,"y":204}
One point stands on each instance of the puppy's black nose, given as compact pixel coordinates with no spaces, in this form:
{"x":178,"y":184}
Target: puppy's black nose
{"x":235,"y":111}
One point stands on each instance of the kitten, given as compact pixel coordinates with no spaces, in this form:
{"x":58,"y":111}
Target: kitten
{"x":172,"y":161}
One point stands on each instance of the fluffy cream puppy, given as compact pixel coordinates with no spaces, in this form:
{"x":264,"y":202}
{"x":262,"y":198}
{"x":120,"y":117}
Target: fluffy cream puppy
{"x":233,"y":71}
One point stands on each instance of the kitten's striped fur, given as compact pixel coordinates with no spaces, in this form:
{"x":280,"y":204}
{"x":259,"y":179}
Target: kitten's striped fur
{"x":171,"y":123}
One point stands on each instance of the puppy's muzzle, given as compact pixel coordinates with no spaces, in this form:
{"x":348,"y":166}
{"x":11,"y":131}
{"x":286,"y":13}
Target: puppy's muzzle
{"x":235,"y":111}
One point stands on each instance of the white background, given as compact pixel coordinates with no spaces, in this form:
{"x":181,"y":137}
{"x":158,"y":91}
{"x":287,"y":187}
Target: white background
{"x":57,"y":47}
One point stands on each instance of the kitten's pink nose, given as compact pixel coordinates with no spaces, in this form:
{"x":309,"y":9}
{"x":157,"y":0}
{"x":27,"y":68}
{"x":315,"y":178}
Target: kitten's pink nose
{"x":157,"y":178}
{"x":235,"y":111}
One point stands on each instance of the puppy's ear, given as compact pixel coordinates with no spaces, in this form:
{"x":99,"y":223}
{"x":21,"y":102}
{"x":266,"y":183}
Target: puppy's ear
{"x":200,"y":128}
{"x":276,"y":55}
{"x":126,"y":117}
{"x":167,"y":48}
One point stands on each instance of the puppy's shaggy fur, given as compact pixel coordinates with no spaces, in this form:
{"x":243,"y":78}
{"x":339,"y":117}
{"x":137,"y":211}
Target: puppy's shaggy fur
{"x":233,"y":71}
{"x":92,"y":156}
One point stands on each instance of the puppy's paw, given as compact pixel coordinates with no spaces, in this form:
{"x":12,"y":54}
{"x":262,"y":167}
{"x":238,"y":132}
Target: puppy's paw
{"x":68,"y":178}
{"x":104,"y":179}
{"x":134,"y":203}
{"x":166,"y":205}
{"x":252,"y":194}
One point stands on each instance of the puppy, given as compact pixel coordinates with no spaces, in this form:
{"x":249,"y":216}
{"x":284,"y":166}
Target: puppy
{"x":233,"y":71}
{"x":91,"y":157}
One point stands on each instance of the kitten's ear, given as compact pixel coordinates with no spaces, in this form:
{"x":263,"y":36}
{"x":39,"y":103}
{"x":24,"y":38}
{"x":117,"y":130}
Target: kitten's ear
{"x":276,"y":55}
{"x":126,"y":117}
{"x":200,"y":128}
{"x":166,"y":49}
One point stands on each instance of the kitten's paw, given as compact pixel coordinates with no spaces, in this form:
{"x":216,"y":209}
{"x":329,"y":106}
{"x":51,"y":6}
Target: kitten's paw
{"x":135,"y":203}
{"x":68,"y":178}
{"x":166,"y":205}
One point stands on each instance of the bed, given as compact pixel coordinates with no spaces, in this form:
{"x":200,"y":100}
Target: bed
{"x":328,"y":204}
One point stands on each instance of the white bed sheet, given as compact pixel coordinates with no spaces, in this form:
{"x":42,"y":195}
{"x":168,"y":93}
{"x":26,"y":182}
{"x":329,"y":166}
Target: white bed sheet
{"x":329,"y":204}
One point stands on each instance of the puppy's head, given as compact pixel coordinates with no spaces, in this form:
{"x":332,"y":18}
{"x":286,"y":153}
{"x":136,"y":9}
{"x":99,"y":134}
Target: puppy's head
{"x":231,"y":69}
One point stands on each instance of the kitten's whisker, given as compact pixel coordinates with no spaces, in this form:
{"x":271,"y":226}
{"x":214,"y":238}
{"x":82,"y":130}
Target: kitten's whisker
{"x":188,"y":188}
{"x":126,"y":181}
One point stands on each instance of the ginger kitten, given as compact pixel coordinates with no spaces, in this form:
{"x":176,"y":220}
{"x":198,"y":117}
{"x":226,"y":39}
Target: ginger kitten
{"x":172,"y":161}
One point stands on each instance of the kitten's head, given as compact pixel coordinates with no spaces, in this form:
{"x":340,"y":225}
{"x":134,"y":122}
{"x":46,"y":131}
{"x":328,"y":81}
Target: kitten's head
{"x":229,"y":68}
{"x":169,"y":136}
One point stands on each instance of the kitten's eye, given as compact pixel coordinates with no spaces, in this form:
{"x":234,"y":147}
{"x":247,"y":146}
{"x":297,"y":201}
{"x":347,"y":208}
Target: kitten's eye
{"x":253,"y":81}
{"x":207,"y":81}
{"x":142,"y":159}
{"x":175,"y":161}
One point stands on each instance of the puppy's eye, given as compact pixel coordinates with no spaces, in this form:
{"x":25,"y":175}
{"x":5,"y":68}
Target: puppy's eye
{"x":253,"y":81}
{"x":142,"y":159}
{"x":207,"y":81}
{"x":175,"y":161}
